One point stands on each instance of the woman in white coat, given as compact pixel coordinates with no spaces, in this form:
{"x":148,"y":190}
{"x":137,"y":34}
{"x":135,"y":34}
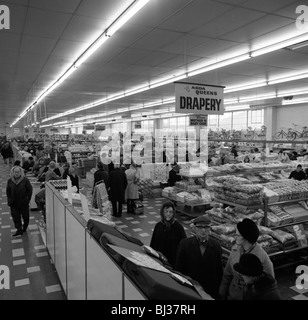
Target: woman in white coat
{"x":131,"y":192}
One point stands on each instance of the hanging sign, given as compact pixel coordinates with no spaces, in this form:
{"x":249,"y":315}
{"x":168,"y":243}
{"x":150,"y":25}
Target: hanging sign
{"x":196,"y":120}
{"x":89,"y":127}
{"x":201,"y":99}
{"x":100,"y":128}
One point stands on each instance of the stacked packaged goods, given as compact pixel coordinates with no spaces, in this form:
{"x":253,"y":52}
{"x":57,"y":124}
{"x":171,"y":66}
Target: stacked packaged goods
{"x":238,"y":190}
{"x":286,"y":190}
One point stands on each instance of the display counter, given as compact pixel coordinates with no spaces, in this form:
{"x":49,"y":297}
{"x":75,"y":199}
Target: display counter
{"x":22,"y":156}
{"x":87,"y":270}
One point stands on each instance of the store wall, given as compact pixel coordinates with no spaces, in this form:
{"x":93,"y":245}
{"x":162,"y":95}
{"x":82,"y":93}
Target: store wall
{"x":287,"y":115}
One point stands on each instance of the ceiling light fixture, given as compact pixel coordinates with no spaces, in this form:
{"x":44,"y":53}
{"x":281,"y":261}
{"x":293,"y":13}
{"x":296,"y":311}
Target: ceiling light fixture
{"x":290,"y":78}
{"x":298,"y":101}
{"x":298,"y":45}
{"x":219,"y":64}
{"x":245,"y":87}
{"x":237,"y":108}
{"x":279,"y":45}
{"x":206,"y":68}
{"x":118,"y":23}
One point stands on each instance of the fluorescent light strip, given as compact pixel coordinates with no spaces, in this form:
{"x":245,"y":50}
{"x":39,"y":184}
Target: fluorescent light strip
{"x":206,"y":68}
{"x":118,"y":23}
{"x":236,"y":108}
{"x":290,"y":78}
{"x":299,"y":101}
{"x":264,"y":97}
{"x":126,"y":15}
{"x":167,"y":81}
{"x":279,"y":45}
{"x":245,"y":87}
{"x":292,"y":93}
{"x":219,"y":64}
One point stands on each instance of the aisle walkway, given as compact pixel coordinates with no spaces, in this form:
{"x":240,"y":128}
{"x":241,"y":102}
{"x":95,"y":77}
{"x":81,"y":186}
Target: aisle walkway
{"x":33,"y":276}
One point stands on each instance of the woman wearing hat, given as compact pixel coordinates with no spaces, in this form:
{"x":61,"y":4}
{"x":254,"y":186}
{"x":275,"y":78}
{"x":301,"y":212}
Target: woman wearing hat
{"x":200,"y":257}
{"x":232,"y":284}
{"x":260,"y":286}
{"x":167,"y":233}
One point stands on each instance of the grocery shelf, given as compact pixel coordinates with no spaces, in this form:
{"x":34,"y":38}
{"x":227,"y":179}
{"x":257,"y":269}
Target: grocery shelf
{"x":289,"y":224}
{"x":256,"y":207}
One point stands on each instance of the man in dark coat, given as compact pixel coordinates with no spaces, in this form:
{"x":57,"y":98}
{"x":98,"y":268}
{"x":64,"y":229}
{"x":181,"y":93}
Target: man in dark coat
{"x":298,"y":174}
{"x":200,"y":257}
{"x":101,"y":175}
{"x":173,"y":174}
{"x":117,"y":185}
{"x":7,"y":152}
{"x":19,"y":193}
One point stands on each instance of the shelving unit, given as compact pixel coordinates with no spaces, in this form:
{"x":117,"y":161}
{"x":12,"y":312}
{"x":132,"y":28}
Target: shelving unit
{"x":277,"y":255}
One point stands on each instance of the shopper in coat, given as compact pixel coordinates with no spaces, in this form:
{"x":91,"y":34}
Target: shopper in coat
{"x":101,"y":175}
{"x":298,"y":174}
{"x":167,"y":233}
{"x":72,"y":174}
{"x":173,"y":175}
{"x":19,"y":193}
{"x":7,"y":153}
{"x":28,"y":164}
{"x":131,"y":192}
{"x":260,"y":286}
{"x":233,"y":285}
{"x":200,"y":257}
{"x":118,"y":184}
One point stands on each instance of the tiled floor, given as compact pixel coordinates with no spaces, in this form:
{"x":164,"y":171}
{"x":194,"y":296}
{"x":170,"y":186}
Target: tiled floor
{"x":33,"y":276}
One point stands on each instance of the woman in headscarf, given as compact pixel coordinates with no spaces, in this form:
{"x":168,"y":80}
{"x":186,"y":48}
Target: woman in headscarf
{"x":167,"y":233}
{"x":19,"y":193}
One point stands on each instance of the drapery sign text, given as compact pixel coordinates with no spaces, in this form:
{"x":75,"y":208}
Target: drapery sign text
{"x":4,"y":17}
{"x":201,"y":99}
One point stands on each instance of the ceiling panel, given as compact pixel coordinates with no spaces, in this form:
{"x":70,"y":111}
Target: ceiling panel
{"x":266,"y":5}
{"x":45,"y":23}
{"x":156,"y":39}
{"x":257,"y":28}
{"x":194,"y":15}
{"x":18,"y":16}
{"x":67,"y":6}
{"x":228,"y":22}
{"x":164,"y":39}
{"x":37,"y":45}
{"x":84,"y":29}
{"x":106,"y":9}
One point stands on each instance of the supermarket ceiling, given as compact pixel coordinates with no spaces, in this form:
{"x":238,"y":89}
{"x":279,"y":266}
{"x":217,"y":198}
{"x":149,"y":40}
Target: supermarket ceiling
{"x":164,"y":40}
